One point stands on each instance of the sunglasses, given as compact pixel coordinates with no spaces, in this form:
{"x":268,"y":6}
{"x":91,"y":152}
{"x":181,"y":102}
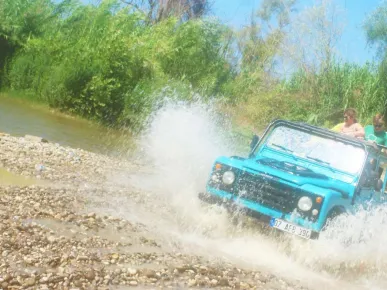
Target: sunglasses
{"x":378,"y":126}
{"x":346,"y":117}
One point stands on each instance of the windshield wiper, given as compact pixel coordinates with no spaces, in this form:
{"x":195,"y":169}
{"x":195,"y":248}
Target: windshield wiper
{"x":282,"y":147}
{"x":285,"y":149}
{"x":292,"y":169}
{"x":318,"y":160}
{"x":321,"y":161}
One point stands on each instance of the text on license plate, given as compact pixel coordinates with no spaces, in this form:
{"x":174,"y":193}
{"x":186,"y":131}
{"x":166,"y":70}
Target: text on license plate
{"x":290,"y":228}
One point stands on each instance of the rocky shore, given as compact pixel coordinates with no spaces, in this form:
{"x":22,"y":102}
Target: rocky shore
{"x":49,"y":240}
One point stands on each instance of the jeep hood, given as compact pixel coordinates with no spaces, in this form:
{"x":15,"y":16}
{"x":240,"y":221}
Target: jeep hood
{"x":304,"y":182}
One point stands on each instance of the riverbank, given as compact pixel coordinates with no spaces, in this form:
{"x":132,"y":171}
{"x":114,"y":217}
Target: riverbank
{"x":52,"y":239}
{"x":40,"y":120}
{"x":24,"y":98}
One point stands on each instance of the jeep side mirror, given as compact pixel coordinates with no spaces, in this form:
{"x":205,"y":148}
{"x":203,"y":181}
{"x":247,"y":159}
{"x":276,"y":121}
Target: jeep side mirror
{"x":254,"y":142}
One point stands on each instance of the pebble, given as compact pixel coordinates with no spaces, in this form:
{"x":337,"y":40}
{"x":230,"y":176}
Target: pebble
{"x":29,"y":282}
{"x":149,"y":273}
{"x":191,"y":282}
{"x":131,"y":271}
{"x":90,"y":275}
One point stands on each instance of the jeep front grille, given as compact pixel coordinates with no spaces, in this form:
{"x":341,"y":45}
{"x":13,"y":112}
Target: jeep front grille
{"x":267,"y":192}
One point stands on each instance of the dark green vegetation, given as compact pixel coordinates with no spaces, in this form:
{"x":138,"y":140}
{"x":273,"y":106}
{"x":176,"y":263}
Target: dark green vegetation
{"x":116,"y":61}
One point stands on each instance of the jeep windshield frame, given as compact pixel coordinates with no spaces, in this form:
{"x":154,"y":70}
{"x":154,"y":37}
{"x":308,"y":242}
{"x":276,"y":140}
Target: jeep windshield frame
{"x":317,"y":145}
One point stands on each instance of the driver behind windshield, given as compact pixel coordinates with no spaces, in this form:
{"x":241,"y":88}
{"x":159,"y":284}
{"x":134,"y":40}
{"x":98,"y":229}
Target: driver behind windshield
{"x":350,"y":126}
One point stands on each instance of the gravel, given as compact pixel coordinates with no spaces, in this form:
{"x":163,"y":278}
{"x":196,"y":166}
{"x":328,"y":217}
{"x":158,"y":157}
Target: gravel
{"x":50,"y":241}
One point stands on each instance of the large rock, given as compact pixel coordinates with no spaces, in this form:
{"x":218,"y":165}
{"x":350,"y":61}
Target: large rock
{"x":29,"y":282}
{"x":149,"y":273}
{"x":35,"y":139}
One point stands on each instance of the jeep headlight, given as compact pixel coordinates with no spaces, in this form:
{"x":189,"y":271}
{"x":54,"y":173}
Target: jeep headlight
{"x":215,"y":178}
{"x":228,"y":177}
{"x":305,"y":203}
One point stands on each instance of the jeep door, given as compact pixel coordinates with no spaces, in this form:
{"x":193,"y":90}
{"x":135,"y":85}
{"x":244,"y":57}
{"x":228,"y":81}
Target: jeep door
{"x":366,"y":191}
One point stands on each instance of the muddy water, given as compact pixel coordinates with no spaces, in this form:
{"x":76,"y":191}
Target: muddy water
{"x":19,"y":118}
{"x":8,"y":178}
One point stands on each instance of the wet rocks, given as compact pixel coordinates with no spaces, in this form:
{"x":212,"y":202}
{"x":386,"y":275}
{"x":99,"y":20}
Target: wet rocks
{"x":50,"y":240}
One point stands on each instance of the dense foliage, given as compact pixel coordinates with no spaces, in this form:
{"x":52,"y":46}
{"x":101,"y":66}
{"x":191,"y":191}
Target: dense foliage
{"x":114,"y":62}
{"x":105,"y":62}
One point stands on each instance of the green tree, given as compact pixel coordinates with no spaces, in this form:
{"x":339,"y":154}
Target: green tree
{"x":376,"y":30}
{"x":158,"y":10}
{"x":22,"y":20}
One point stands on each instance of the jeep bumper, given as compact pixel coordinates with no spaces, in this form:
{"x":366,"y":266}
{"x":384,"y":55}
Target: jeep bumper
{"x":230,"y":202}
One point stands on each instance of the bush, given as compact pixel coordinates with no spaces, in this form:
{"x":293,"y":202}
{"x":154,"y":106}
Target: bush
{"x":106,"y":63}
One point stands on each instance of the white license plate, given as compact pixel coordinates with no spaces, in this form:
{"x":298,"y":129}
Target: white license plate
{"x":290,"y":228}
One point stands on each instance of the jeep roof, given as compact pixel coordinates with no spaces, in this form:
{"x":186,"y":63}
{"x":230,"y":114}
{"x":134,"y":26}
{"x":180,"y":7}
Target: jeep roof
{"x":329,"y":133}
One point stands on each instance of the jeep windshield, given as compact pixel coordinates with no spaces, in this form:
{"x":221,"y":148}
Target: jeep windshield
{"x":328,"y":153}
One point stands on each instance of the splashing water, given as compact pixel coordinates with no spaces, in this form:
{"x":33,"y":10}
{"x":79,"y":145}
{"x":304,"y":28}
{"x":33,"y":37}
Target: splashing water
{"x":179,"y":149}
{"x":354,"y":247}
{"x":181,"y":144}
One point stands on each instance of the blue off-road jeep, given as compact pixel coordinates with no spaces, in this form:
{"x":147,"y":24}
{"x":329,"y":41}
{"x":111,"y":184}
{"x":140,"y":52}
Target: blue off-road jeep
{"x":298,"y":176}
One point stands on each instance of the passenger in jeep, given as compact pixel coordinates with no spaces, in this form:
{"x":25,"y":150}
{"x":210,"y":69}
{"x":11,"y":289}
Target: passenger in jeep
{"x":350,"y":126}
{"x":375,"y":133}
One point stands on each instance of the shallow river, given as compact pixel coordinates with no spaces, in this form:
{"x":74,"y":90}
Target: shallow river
{"x":19,"y":118}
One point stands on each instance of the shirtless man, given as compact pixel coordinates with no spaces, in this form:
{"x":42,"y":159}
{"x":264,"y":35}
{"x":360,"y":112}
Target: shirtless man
{"x":350,"y":126}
